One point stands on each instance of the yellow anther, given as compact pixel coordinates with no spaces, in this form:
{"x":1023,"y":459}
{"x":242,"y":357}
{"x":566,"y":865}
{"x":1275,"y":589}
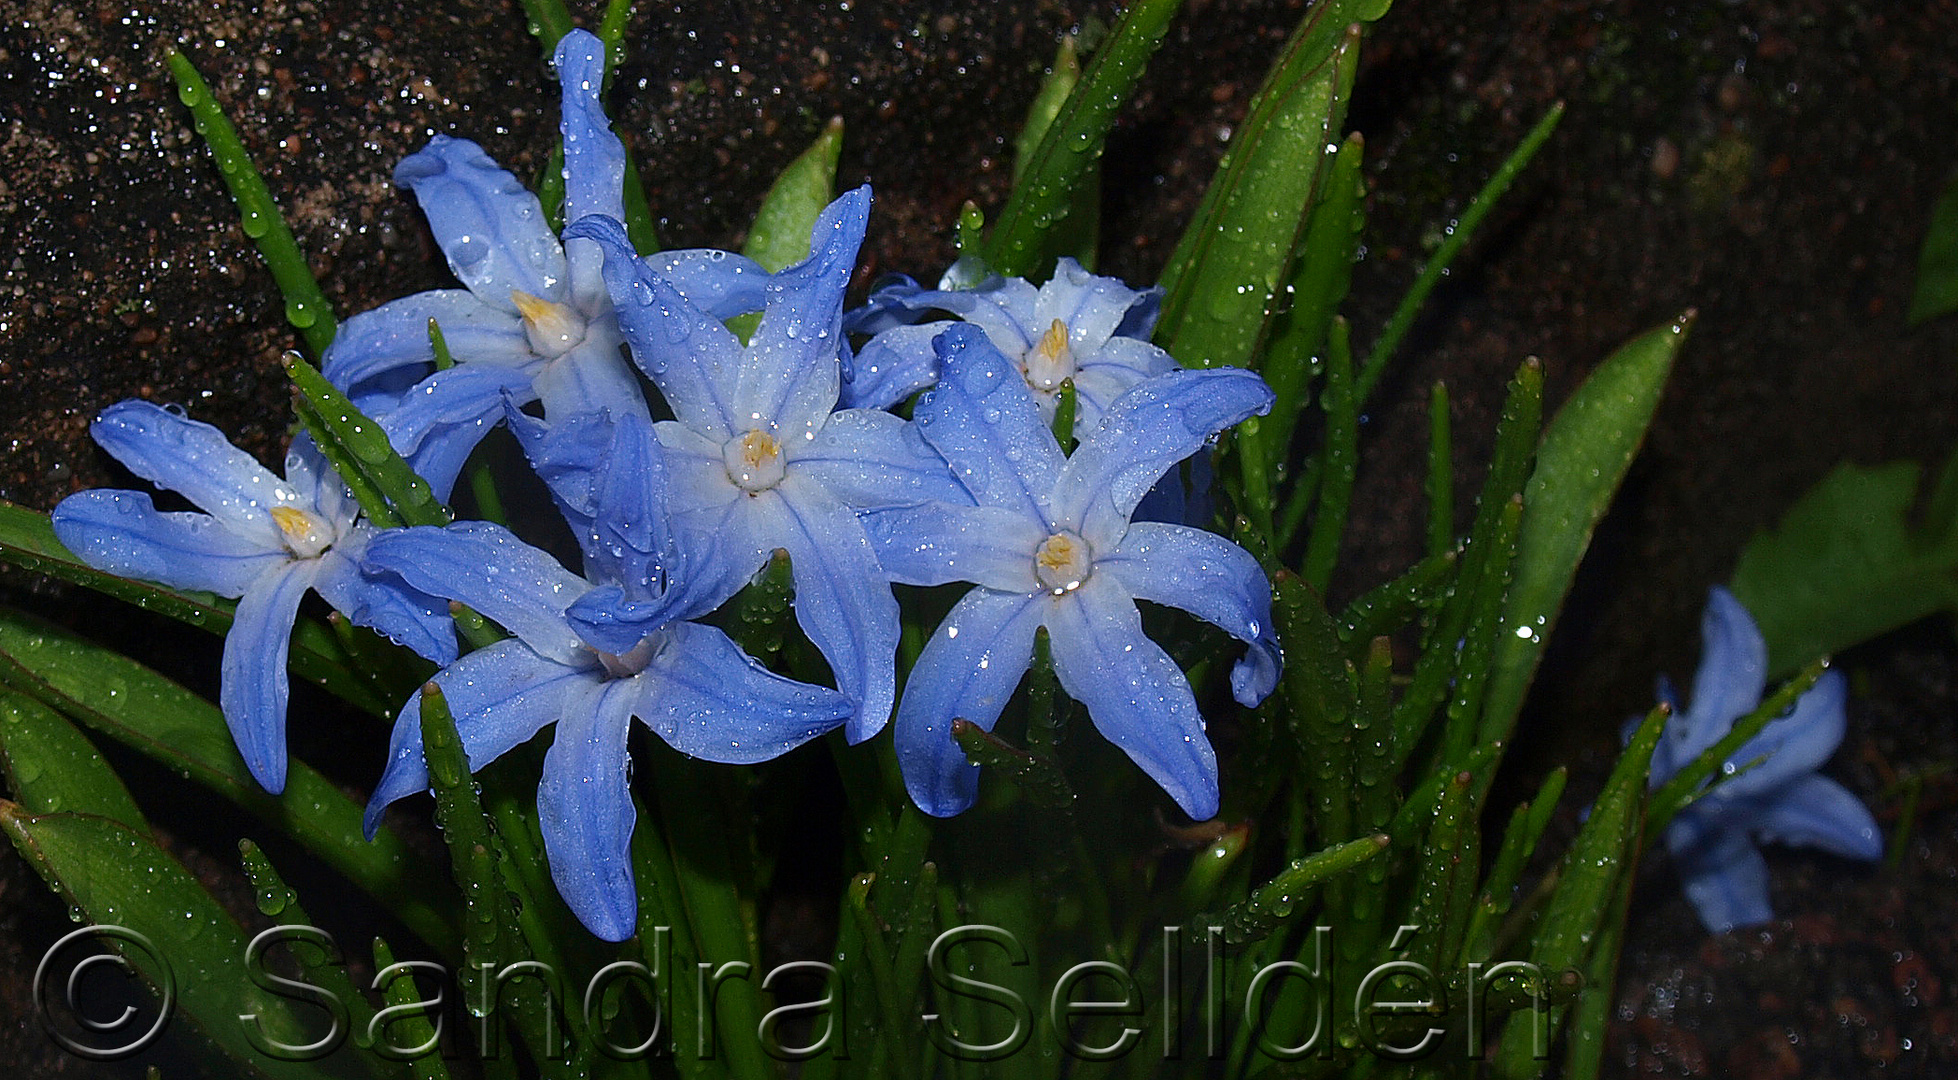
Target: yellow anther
{"x":553,"y":329}
{"x":1050,"y":362}
{"x":306,"y":535}
{"x":753,"y":461}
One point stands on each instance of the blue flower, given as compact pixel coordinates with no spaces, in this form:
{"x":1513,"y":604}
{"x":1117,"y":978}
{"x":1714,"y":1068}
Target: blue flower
{"x":1050,"y":542}
{"x":1770,"y":791}
{"x":688,"y":682}
{"x":534,"y":319}
{"x":760,"y":459}
{"x":1080,"y":328}
{"x":263,"y":540}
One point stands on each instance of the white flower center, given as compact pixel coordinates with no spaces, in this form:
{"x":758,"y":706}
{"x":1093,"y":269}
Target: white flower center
{"x":1062,"y":562}
{"x":753,"y":461}
{"x":305,"y":534}
{"x":553,"y":329}
{"x":1050,"y":362}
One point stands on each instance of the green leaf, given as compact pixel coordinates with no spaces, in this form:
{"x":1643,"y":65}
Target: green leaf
{"x":360,"y":450}
{"x":52,"y":767}
{"x":1061,"y":78}
{"x":1039,"y":778}
{"x":779,"y":238}
{"x":1341,"y":457}
{"x":1581,"y":460}
{"x":1937,"y":261}
{"x":1844,"y":565}
{"x":1690,"y":782}
{"x":1283,"y":897}
{"x":186,"y":734}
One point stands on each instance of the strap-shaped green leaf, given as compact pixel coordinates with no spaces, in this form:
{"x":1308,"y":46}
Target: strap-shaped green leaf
{"x":360,"y":449}
{"x":779,"y":237}
{"x":52,"y":767}
{"x":1284,"y":896}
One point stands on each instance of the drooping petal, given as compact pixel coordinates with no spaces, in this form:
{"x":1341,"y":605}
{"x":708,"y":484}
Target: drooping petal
{"x":1733,"y":668}
{"x":981,"y":417}
{"x":584,"y":807}
{"x":488,"y":225}
{"x":567,"y":456}
{"x":1815,"y":811}
{"x":843,"y":601}
{"x":1158,"y":423}
{"x":1723,"y":872}
{"x":1795,"y":745}
{"x":252,"y":689}
{"x":891,"y":367}
{"x":594,"y":158}
{"x":405,"y":615}
{"x":438,"y":423}
{"x":1136,"y":695}
{"x":122,"y":532}
{"x":789,"y":374}
{"x":499,"y":696}
{"x":195,"y":460}
{"x":486,"y":567}
{"x":708,"y":699}
{"x":395,"y":335}
{"x":935,"y":543}
{"x":870,"y":458}
{"x":968,"y":670}
{"x":1209,"y":577}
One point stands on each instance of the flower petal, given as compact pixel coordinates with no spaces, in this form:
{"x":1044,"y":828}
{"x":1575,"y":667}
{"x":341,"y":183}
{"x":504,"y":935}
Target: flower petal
{"x":1136,"y":695}
{"x":968,"y":670}
{"x":252,"y":690}
{"x":1108,"y":373}
{"x":594,"y":158}
{"x":122,"y":532}
{"x":891,"y":367}
{"x":983,"y":419}
{"x":592,"y":376}
{"x":195,"y":460}
{"x":491,"y":229}
{"x":1209,"y":577}
{"x":1091,"y":306}
{"x":1158,"y":423}
{"x":1733,"y":668}
{"x":870,"y":458}
{"x":789,"y":374}
{"x":710,"y":700}
{"x":439,"y":422}
{"x":406,"y":615}
{"x":1723,"y":872}
{"x":1793,"y":746}
{"x":1817,"y":812}
{"x":486,"y":567}
{"x":936,"y":543}
{"x":584,"y":807}
{"x":721,"y":283}
{"x":395,"y":335}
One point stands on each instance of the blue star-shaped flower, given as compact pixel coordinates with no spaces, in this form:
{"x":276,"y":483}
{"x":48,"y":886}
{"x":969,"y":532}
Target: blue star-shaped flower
{"x":1078,"y":327}
{"x":263,"y":540}
{"x":761,"y":458}
{"x":535,"y":320}
{"x":1770,"y":791}
{"x":693,"y":686}
{"x":1050,"y":542}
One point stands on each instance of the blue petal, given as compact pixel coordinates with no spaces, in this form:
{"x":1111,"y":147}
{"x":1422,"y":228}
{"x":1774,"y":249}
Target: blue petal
{"x":486,"y":567}
{"x":889,"y":307}
{"x":1733,"y":668}
{"x":122,"y":532}
{"x":631,"y":544}
{"x":710,"y":700}
{"x":1211,"y":578}
{"x":843,"y":601}
{"x":869,"y":459}
{"x":499,"y":696}
{"x":1795,"y":745}
{"x":594,"y":159}
{"x":567,"y":456}
{"x":968,"y":671}
{"x":406,"y":615}
{"x":1726,"y":879}
{"x":789,"y":375}
{"x":692,"y":358}
{"x":936,"y":543}
{"x":721,"y":283}
{"x":252,"y":690}
{"x":1136,"y":695}
{"x":439,"y":422}
{"x":195,"y":460}
{"x":1106,"y":374}
{"x":395,"y":335}
{"x":891,"y":367}
{"x":584,"y":808}
{"x":1092,"y":307}
{"x":982,"y":418}
{"x":1158,"y":423}
{"x":492,"y":230}
{"x":1817,"y":812}
{"x":592,"y":376}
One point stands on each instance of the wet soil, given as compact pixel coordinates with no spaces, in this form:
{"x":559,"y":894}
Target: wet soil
{"x":1767,"y":162}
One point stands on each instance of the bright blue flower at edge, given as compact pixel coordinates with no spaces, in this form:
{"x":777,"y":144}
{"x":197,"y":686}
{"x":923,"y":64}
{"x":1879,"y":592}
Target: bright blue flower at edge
{"x":1051,"y":543}
{"x":1771,"y":792}
{"x":263,"y":540}
{"x":688,"y":682}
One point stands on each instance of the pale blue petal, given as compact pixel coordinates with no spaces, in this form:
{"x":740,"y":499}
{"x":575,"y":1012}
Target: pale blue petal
{"x":710,"y":700}
{"x":721,"y":283}
{"x":1817,"y":812}
{"x":1209,"y":577}
{"x":313,"y":479}
{"x":1795,"y":745}
{"x":843,"y":601}
{"x":1733,"y":668}
{"x":122,"y":532}
{"x":395,"y":335}
{"x":567,"y":456}
{"x":1158,"y":423}
{"x":1002,"y":307}
{"x":889,"y":306}
{"x":584,"y":808}
{"x":1108,"y":373}
{"x":594,"y":159}
{"x":982,"y":418}
{"x":195,"y":460}
{"x":692,"y":358}
{"x":491,"y":229}
{"x":438,"y":423}
{"x":1725,"y":878}
{"x":592,"y":376}
{"x":789,"y":375}
{"x":1092,"y":307}
{"x":253,"y":687}
{"x":938,"y":543}
{"x":405,"y":615}
{"x":1136,"y":695}
{"x":486,"y":567}
{"x":891,"y":367}
{"x":968,"y":670}
{"x":499,"y":696}
{"x":870,"y":459}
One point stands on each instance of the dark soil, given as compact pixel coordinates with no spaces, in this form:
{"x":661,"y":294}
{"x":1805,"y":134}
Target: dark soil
{"x":1768,"y":162}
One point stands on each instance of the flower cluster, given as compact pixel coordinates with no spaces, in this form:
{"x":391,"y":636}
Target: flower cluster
{"x":783,"y":442}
